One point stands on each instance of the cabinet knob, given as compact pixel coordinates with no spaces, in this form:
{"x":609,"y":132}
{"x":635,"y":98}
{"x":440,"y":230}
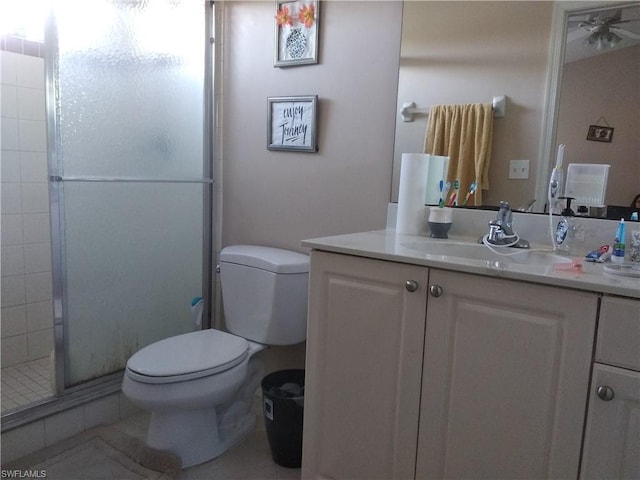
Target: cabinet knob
{"x":435,"y":290}
{"x":605,"y":393}
{"x":411,"y":285}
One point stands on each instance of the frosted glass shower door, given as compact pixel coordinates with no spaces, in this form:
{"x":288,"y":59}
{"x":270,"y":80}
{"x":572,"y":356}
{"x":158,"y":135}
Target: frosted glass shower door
{"x":129,"y":177}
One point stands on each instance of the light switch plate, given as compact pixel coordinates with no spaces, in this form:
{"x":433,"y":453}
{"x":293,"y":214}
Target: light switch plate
{"x":519,"y":169}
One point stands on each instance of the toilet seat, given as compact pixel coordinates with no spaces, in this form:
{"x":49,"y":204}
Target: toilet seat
{"x":187,"y":357}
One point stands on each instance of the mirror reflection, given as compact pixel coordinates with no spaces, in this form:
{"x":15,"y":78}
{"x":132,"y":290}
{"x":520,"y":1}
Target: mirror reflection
{"x":493,"y":51}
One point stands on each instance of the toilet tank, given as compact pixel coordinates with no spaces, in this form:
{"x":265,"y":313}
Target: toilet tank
{"x":264,"y":293}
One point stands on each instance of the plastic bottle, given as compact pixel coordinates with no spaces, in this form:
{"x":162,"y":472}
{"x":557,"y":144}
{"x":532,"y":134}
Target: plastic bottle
{"x":566,"y":229}
{"x":618,"y":245}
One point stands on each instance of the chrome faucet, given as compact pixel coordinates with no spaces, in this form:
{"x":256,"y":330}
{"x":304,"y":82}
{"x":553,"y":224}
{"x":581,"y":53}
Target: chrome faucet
{"x":501,"y":230}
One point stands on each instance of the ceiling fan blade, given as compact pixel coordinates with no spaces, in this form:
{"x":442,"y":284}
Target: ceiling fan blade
{"x":577,"y":34}
{"x":623,"y":32}
{"x":628,"y":20}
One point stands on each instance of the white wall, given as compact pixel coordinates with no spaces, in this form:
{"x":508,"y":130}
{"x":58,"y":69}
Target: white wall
{"x":280,"y":198}
{"x":604,"y":86}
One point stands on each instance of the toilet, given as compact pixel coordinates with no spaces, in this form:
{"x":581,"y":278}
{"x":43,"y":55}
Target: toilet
{"x":200,"y":386}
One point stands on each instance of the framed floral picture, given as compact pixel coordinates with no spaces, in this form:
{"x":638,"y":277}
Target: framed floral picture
{"x":291,"y":123}
{"x":296,"y":29}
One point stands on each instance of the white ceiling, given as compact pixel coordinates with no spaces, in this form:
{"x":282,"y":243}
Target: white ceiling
{"x":576,"y":48}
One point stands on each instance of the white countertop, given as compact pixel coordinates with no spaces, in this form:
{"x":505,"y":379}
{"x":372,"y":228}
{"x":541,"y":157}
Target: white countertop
{"x":414,"y":249}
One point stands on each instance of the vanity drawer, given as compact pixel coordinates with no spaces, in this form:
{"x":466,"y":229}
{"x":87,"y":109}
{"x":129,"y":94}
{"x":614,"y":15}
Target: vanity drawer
{"x":619,"y":333}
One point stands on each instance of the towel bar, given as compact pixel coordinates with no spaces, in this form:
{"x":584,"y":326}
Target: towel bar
{"x":409,"y":109}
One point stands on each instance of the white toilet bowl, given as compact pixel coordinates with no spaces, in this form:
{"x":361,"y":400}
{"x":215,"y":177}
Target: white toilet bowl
{"x":200,"y":386}
{"x":199,"y":406}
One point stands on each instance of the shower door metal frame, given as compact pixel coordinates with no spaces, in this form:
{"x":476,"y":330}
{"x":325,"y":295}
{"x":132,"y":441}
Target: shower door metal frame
{"x":111,"y":382}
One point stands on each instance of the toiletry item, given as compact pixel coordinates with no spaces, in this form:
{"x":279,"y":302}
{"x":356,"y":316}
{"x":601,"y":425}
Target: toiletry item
{"x":618,"y":244}
{"x":634,"y":248}
{"x":439,"y":222}
{"x":600,"y":255}
{"x":454,"y":195}
{"x":574,"y":267}
{"x":197,"y":304}
{"x":566,"y":229}
{"x":555,"y":182}
{"x":441,"y":202}
{"x":472,"y":190}
{"x":413,"y":188}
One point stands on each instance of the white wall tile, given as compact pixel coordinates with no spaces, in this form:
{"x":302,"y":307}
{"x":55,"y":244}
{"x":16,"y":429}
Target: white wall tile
{"x":40,"y":344}
{"x":30,"y":71}
{"x":38,"y":287}
{"x":31,"y":104}
{"x":11,"y":229}
{"x":33,"y":166}
{"x":13,"y":321}
{"x":103,"y":411}
{"x":9,"y":135}
{"x":63,"y":425}
{"x":10,"y":170}
{"x":13,"y":291}
{"x":8,"y":67}
{"x":36,"y":227}
{"x":37,"y":257}
{"x":12,"y":260}
{"x":39,"y":315}
{"x":14,"y":350}
{"x":11,"y":194}
{"x":22,"y":441}
{"x":32,"y":135}
{"x":35,"y":198}
{"x":9,"y":101}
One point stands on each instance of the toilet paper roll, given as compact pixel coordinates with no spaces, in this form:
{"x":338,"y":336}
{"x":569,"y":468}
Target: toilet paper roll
{"x":414,"y":168}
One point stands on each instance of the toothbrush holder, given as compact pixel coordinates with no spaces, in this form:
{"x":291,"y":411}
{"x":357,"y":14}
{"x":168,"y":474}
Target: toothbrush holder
{"x":439,"y":222}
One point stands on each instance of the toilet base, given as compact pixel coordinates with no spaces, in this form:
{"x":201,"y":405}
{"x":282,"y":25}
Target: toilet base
{"x":194,"y":436}
{"x":198,"y":435}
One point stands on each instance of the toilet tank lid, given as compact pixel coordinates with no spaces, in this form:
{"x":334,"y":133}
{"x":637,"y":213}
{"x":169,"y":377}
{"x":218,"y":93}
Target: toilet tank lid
{"x":275,"y":260}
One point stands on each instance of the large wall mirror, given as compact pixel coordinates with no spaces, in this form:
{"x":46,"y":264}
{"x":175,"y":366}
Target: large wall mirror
{"x":468,"y":52}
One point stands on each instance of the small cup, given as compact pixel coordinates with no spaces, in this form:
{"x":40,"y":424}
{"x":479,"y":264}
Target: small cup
{"x":439,"y":230}
{"x":439,"y":221}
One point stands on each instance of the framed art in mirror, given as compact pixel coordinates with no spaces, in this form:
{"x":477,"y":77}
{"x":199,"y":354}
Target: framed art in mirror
{"x":291,"y":123}
{"x":598,"y":133}
{"x":296,"y":32}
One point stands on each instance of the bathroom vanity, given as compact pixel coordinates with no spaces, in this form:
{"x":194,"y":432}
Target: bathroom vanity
{"x":426,"y":361}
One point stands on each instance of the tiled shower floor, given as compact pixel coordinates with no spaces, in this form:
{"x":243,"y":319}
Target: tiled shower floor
{"x":25,"y":383}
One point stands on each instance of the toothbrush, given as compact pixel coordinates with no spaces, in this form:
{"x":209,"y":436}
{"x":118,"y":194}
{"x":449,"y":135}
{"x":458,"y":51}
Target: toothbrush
{"x":445,"y":191}
{"x":441,"y":202}
{"x":555,"y":182}
{"x":454,"y":195}
{"x":472,"y":189}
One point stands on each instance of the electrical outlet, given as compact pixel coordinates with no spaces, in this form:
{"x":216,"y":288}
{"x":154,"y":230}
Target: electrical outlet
{"x":519,"y":169}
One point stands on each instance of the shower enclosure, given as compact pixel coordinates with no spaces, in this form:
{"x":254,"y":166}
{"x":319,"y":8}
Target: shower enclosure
{"x":130,"y":178}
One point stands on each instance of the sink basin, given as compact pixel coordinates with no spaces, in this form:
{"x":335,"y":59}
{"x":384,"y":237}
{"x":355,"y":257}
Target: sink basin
{"x":477,"y":251}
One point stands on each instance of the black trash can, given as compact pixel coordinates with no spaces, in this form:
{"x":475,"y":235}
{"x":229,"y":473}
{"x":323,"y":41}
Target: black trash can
{"x":282,"y":406}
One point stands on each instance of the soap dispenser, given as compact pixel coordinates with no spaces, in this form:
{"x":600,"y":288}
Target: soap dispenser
{"x":566,"y":229}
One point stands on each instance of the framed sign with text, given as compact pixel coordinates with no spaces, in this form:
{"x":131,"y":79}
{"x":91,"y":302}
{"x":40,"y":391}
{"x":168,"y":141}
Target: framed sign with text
{"x":291,"y":123}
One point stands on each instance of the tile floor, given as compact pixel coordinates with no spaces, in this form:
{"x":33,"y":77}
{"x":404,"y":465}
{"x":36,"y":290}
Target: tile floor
{"x":25,"y":383}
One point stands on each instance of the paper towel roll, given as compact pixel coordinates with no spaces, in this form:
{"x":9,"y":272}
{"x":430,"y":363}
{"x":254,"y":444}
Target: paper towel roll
{"x":414,"y":168}
{"x":438,"y":166}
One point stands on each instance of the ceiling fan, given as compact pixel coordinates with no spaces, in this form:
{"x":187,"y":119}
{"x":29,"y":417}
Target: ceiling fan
{"x":602,"y":29}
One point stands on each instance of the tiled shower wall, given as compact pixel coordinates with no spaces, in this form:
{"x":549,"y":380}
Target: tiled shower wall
{"x":27,"y":313}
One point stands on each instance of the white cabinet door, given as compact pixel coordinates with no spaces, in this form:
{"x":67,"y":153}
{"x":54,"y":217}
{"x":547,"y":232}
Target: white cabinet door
{"x":505,"y":380}
{"x":364,"y":361}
